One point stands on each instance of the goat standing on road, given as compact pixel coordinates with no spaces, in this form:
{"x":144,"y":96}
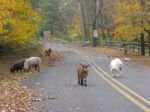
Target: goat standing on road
{"x":116,"y":67}
{"x":82,"y":72}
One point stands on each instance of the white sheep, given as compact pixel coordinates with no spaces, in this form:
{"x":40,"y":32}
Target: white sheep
{"x":82,"y":73}
{"x":32,"y":62}
{"x":116,"y":67}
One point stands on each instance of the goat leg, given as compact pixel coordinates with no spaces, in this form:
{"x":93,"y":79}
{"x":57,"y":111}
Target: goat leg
{"x":81,"y":81}
{"x":85,"y":84}
{"x":38,"y":68}
{"x":78,"y":80}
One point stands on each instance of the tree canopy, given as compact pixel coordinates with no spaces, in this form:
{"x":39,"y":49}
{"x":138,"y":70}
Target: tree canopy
{"x":116,"y":19}
{"x":122,"y":20}
{"x":130,"y":19}
{"x":18,"y":21}
{"x":52,"y":15}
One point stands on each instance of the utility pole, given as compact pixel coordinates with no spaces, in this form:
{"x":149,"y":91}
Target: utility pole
{"x":95,"y":31}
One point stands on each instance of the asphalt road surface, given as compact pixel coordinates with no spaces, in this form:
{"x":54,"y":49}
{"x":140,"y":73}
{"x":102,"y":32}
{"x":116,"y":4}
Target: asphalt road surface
{"x":58,"y":89}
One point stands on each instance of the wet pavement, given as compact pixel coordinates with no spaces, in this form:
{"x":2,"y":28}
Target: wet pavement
{"x":58,"y":90}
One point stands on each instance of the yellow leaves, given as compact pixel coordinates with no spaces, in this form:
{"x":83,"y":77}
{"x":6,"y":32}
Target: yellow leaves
{"x":129,"y":14}
{"x":127,"y":32}
{"x":120,"y":20}
{"x":17,"y":21}
{"x":136,"y":6}
{"x":147,"y":27}
{"x":74,"y":29}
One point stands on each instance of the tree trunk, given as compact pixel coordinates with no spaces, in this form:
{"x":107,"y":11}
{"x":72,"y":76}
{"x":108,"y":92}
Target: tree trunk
{"x":142,"y":44}
{"x":83,"y":21}
{"x":94,"y":24}
{"x":148,"y":31}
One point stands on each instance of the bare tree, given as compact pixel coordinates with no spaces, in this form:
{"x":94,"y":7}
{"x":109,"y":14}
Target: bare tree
{"x":83,"y":20}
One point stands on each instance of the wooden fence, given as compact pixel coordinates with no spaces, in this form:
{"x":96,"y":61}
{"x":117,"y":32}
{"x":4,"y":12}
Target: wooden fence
{"x":128,"y":47}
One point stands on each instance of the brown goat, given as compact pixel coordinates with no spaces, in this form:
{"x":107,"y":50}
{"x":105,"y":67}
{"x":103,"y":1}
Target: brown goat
{"x":46,"y":52}
{"x":82,"y":73}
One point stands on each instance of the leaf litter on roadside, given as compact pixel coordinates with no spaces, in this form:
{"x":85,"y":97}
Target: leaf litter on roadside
{"x":19,"y":99}
{"x":16,"y":99}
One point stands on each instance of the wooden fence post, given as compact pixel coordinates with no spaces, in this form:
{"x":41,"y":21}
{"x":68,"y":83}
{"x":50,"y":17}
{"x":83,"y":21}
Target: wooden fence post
{"x":138,"y":47}
{"x":142,"y":44}
{"x":149,"y":41}
{"x":148,"y":31}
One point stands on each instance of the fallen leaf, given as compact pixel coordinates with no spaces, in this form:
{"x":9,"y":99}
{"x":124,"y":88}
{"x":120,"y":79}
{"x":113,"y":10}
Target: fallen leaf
{"x":50,"y":97}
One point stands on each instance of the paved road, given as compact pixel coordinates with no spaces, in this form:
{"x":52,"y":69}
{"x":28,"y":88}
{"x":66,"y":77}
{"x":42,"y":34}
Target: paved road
{"x":102,"y":93}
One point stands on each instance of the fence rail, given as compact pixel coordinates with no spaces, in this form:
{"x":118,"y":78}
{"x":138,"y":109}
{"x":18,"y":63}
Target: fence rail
{"x":128,"y":47}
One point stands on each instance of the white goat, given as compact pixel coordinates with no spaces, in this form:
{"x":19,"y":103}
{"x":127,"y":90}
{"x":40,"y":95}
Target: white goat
{"x":32,"y":62}
{"x":116,"y":67}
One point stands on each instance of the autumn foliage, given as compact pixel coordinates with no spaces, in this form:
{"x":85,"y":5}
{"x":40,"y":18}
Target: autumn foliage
{"x":122,"y":20}
{"x":131,"y":18}
{"x":18,"y":21}
{"x":74,"y":29}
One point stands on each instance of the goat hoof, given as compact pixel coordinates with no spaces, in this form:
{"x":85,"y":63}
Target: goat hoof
{"x":85,"y":84}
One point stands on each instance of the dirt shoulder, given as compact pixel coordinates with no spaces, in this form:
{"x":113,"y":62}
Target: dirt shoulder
{"x":14,"y":98}
{"x":144,"y":61}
